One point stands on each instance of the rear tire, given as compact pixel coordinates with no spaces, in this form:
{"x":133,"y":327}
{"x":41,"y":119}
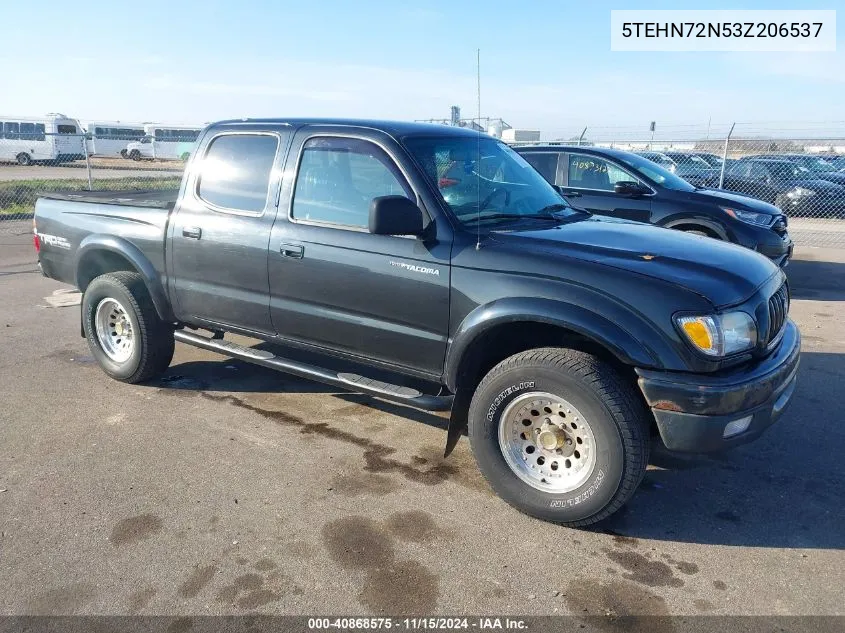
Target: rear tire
{"x":135,"y":155}
{"x":599,"y":435}
{"x":124,"y":332}
{"x":24,"y":159}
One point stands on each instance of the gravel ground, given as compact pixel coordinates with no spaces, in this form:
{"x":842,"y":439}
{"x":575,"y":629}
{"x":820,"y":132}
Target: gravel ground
{"x":226,"y":488}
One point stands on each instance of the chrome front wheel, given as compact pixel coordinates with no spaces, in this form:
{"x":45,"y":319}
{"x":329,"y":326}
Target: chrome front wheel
{"x":547,"y":442}
{"x":114,"y":330}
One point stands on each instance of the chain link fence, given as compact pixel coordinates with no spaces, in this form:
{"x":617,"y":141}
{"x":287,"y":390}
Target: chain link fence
{"x":799,"y":169}
{"x":31,"y":165}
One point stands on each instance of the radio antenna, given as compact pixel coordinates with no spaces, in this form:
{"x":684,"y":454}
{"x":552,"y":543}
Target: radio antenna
{"x":478,"y":156}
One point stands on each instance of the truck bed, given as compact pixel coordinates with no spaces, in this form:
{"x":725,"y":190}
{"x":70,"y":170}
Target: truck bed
{"x":153,"y":198}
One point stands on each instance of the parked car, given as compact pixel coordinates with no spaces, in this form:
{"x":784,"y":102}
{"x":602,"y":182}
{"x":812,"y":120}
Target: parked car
{"x":625,"y":185}
{"x":837,"y":161}
{"x":559,"y":338}
{"x":711,"y":159}
{"x":683,"y":166}
{"x":694,"y":169}
{"x":815,"y":166}
{"x":794,"y":190}
{"x":658,"y":157}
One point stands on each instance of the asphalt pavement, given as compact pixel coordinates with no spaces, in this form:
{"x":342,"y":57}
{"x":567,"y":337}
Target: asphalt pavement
{"x":228,"y":488}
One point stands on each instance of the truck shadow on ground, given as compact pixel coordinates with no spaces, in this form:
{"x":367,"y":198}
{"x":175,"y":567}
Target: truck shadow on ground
{"x":234,"y":376}
{"x":816,"y":280}
{"x":784,"y":490}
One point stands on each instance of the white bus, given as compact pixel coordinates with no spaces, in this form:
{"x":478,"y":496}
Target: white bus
{"x":164,"y":142}
{"x":53,"y":138}
{"x":110,"y":138}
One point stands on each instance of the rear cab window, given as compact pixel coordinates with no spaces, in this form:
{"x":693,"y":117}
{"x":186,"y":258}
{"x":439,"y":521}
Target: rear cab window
{"x":338,"y":177}
{"x":235,"y":171}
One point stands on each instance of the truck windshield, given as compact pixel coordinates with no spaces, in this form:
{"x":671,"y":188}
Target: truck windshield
{"x":482,"y":179}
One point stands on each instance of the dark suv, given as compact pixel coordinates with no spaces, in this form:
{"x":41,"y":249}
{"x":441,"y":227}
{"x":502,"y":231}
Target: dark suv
{"x":625,"y":185}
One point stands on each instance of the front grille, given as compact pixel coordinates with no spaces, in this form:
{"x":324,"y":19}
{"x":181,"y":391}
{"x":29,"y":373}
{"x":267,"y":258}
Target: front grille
{"x":778,"y":311}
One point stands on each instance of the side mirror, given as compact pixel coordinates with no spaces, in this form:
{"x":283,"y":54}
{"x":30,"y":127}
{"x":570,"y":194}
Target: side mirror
{"x":629,"y":188}
{"x":395,"y":215}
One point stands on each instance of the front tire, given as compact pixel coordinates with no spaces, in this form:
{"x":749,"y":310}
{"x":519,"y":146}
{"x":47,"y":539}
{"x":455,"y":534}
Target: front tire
{"x":559,"y":435}
{"x":124,"y":332}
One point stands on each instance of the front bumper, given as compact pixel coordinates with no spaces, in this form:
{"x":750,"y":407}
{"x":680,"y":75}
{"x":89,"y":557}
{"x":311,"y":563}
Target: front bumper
{"x":780,"y":251}
{"x":692,"y":410}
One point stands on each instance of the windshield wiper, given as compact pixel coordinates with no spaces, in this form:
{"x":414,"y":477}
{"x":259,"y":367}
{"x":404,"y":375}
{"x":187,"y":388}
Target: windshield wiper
{"x":550,"y":208}
{"x":557,"y":206}
{"x":519,"y":216}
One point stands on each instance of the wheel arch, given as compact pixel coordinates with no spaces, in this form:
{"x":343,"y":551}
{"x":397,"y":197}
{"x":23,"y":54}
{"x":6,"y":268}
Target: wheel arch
{"x":494,"y":332}
{"x":101,"y":254}
{"x":549,"y":319}
{"x":697,"y":223}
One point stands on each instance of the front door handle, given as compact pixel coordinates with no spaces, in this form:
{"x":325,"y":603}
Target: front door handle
{"x":295,"y":251}
{"x":193,"y":232}
{"x":569,"y":193}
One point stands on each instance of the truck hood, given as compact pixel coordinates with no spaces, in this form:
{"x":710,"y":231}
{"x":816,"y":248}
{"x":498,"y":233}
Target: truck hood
{"x":725,"y":274}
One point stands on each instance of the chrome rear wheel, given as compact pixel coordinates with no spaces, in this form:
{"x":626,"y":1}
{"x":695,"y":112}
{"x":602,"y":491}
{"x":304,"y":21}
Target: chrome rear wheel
{"x":114,"y":330}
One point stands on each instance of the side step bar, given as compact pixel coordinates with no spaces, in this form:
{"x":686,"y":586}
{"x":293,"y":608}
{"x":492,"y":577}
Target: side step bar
{"x":350,"y":382}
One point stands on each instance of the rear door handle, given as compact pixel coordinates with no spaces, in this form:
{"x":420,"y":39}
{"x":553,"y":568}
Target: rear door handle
{"x":193,"y":232}
{"x":296,"y":251}
{"x":569,"y":193}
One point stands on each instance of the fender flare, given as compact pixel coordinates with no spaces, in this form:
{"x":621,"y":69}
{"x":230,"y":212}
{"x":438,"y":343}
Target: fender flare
{"x":629,"y":348}
{"x":717,"y":228}
{"x":645,"y":348}
{"x":142,"y":265}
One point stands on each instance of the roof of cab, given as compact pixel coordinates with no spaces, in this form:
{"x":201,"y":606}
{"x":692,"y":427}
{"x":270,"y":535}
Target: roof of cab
{"x":394,"y":128}
{"x":583,"y":149}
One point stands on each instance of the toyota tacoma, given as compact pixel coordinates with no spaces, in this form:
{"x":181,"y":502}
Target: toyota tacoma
{"x":434,"y":267}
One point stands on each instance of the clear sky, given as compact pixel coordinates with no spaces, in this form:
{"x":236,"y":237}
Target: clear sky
{"x":544,"y":64}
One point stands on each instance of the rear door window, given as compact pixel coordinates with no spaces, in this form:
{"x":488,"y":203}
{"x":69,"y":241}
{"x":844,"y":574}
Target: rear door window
{"x":545,"y":163}
{"x":234,"y":173}
{"x":338,"y":178}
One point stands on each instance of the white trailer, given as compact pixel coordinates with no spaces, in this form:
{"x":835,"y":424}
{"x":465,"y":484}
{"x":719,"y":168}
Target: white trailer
{"x":520,"y":136}
{"x":53,"y":138}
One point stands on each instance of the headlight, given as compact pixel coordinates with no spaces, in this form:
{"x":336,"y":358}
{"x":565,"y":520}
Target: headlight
{"x":749,"y":217}
{"x":719,"y":334}
{"x":799,"y":192}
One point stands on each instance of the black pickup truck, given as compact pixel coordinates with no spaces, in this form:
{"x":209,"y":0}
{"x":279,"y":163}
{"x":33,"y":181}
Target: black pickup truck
{"x":355,"y":253}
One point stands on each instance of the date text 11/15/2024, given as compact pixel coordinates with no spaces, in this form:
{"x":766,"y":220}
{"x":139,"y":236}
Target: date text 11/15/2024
{"x":417,"y":624}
